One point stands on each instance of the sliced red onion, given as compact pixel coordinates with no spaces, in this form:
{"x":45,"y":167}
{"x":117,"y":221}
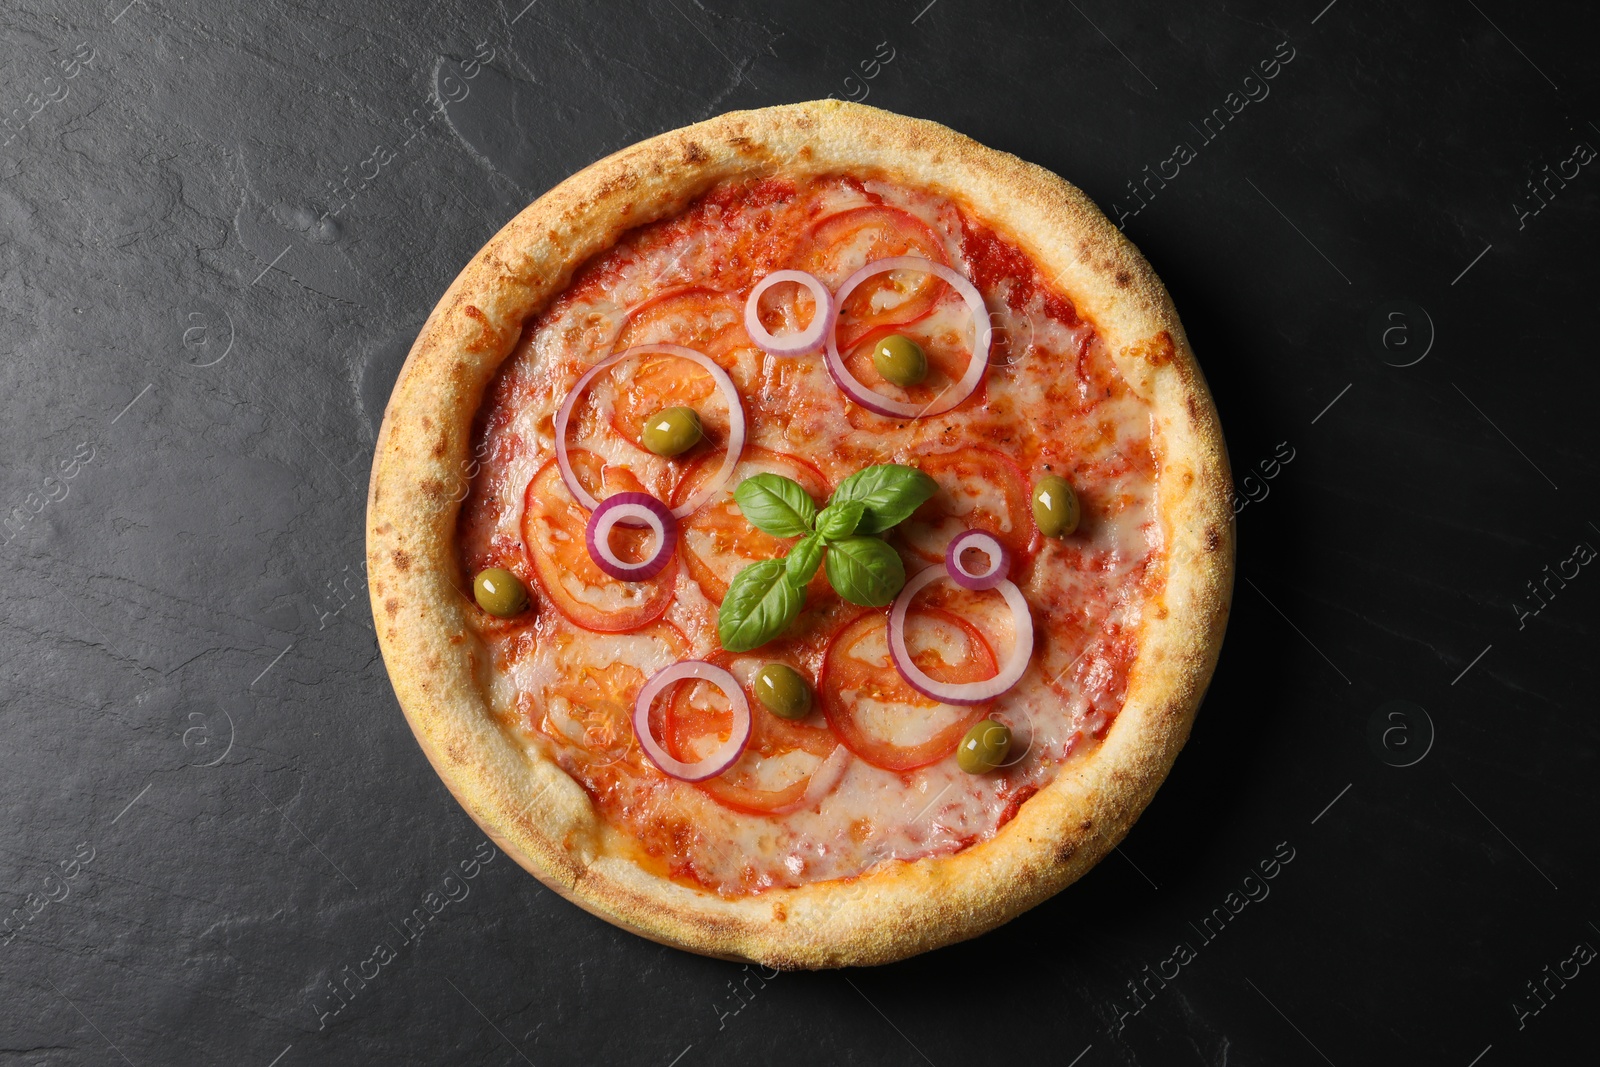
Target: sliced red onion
{"x":796,"y":343}
{"x":1011,"y":670}
{"x":730,"y":750}
{"x":999,"y":560}
{"x":823,"y":779}
{"x":736,"y":425}
{"x":956,"y":392}
{"x":632,"y":509}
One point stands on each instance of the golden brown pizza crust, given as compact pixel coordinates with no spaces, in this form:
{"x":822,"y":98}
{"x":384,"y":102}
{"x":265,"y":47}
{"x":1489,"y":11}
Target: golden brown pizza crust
{"x":542,"y":817}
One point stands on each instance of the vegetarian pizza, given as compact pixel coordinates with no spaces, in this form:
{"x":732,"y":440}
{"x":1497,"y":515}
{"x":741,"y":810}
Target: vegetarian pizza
{"x":803,"y":536}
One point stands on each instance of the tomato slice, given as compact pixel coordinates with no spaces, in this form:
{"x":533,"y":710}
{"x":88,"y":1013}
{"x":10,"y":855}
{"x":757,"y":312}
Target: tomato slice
{"x":589,"y":705}
{"x":688,"y":316}
{"x":948,"y":358}
{"x":778,"y":764}
{"x":718,"y":542}
{"x":876,"y":714}
{"x":639,"y":387}
{"x":553,"y":526}
{"x":845,"y":242}
{"x":978,"y":488}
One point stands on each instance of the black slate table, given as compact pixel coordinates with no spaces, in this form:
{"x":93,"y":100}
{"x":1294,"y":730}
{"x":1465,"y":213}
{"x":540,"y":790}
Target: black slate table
{"x":223,"y":226}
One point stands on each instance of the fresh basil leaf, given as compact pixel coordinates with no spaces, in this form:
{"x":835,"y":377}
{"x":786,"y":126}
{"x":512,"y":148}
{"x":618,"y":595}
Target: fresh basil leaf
{"x":889,"y":491}
{"x":776,"y":505}
{"x":865,"y":571}
{"x":761,"y":603}
{"x":804,"y":559}
{"x":838,"y":521}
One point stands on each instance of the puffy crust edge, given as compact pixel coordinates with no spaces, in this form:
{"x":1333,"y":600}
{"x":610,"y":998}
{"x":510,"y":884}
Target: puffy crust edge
{"x":539,"y":815}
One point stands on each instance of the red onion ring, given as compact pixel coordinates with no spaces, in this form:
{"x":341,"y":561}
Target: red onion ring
{"x":731,"y":749}
{"x":956,"y":392}
{"x":798,"y":343}
{"x":823,"y":780}
{"x":637,"y":509}
{"x":985,"y":542}
{"x":1011,"y":670}
{"x":736,"y":425}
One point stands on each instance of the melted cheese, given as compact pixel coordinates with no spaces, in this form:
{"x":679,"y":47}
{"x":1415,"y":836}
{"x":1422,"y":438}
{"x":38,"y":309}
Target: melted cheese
{"x":1052,"y":398}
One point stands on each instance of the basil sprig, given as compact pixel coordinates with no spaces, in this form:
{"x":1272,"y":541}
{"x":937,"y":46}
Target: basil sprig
{"x":765,"y":597}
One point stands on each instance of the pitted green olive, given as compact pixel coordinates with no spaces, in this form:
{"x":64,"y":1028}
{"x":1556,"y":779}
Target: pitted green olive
{"x":499,"y":592}
{"x":900,"y":360}
{"x":1055,"y":506}
{"x":672,"y":431}
{"x":984,"y":748}
{"x":783,"y":691}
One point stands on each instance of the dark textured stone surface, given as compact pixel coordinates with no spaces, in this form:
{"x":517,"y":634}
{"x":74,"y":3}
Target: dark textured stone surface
{"x":213,"y":806}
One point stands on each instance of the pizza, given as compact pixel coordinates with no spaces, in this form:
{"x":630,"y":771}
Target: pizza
{"x":803,"y":537}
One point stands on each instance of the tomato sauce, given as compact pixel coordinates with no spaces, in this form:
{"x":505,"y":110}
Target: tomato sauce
{"x":869,"y":776}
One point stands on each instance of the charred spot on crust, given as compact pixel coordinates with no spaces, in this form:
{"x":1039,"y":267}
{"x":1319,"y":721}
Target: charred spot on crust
{"x":625,"y":181}
{"x":1213,"y":538}
{"x":402,"y":559}
{"x":488,"y":335}
{"x":1159,"y":351}
{"x":454,"y":754}
{"x":1123,"y":278}
{"x":694,"y":153}
{"x":433,"y":489}
{"x":391,"y":607}
{"x":1194,"y":407}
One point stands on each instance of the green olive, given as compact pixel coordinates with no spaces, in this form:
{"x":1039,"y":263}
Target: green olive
{"x":1055,"y":506}
{"x":672,"y":431}
{"x":783,"y":691}
{"x":984,"y":748}
{"x":900,"y":360}
{"x":499,"y":592}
